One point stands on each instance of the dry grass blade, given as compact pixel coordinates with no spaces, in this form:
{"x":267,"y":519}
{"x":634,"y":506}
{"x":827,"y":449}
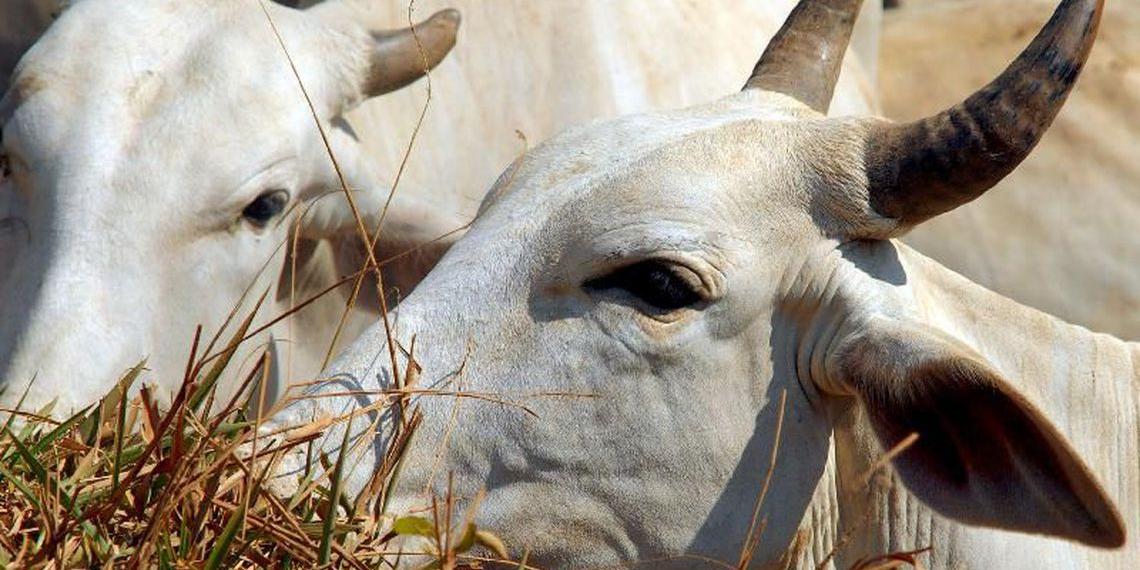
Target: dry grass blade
{"x":893,"y":560}
{"x":222,"y":359}
{"x":898,"y":449}
{"x":366,"y":241}
{"x":756,"y":527}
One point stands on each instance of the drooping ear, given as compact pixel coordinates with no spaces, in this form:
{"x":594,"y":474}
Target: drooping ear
{"x":984,"y":454}
{"x":414,"y":234}
{"x":416,"y":226}
{"x":414,"y":215}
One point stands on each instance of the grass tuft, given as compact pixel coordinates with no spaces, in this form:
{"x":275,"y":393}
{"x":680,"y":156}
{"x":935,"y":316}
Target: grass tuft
{"x":133,"y":482}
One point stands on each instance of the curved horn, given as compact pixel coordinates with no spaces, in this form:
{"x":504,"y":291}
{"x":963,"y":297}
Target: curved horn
{"x":804,"y":58}
{"x":919,"y":170}
{"x":398,"y":60}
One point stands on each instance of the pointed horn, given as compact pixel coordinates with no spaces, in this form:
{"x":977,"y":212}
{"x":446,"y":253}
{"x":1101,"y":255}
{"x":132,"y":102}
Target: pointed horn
{"x":804,"y":58}
{"x":398,"y":60}
{"x":922,"y":169}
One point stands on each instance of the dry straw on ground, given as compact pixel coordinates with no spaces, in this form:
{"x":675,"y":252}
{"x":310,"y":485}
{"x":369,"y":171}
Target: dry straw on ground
{"x":126,"y":483}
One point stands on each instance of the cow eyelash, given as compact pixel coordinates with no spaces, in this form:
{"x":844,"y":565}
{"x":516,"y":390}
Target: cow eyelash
{"x":653,"y":282}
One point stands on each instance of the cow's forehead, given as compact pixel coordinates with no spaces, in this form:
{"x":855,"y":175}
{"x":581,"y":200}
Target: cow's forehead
{"x":132,"y":36}
{"x":714,"y":166}
{"x":163,"y":88}
{"x":148,"y":53}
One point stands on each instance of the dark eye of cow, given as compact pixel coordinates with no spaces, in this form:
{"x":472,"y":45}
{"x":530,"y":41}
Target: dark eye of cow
{"x":653,"y":282}
{"x":265,"y":207}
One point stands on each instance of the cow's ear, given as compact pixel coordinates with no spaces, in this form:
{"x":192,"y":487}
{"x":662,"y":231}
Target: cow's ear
{"x":413,"y":236}
{"x":407,"y":219}
{"x":408,"y":215}
{"x":416,"y":227}
{"x":984,"y":454}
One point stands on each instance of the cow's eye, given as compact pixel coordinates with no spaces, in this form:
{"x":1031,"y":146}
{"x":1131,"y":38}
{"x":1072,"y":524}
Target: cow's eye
{"x":653,"y":282}
{"x":265,"y":207}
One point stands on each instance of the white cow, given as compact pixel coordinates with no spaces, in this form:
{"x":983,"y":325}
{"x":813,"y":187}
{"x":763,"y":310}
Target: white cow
{"x":136,"y":169}
{"x":149,"y":167}
{"x":689,"y":270}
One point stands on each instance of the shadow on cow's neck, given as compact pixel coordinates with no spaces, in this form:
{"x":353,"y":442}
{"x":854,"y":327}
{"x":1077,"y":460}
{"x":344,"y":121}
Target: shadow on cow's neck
{"x":804,"y":479}
{"x":877,"y":259}
{"x":801,"y":460}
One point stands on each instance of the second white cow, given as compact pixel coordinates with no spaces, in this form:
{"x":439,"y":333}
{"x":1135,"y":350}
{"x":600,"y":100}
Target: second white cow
{"x":149,"y":169}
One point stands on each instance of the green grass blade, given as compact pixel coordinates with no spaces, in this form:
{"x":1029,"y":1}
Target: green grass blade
{"x":19,"y":403}
{"x":12,"y":415}
{"x":60,"y":431}
{"x":90,"y":427}
{"x":111,"y":402}
{"x":31,"y":427}
{"x":325,"y":552}
{"x":120,"y":428}
{"x":19,"y":484}
{"x":30,"y":460}
{"x":165,"y":556}
{"x":38,"y":470}
{"x":184,"y":542}
{"x":219,"y":366}
{"x":220,"y":551}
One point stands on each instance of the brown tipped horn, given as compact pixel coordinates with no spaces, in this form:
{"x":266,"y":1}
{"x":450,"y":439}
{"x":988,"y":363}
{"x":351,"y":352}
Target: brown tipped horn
{"x":803,"y":59}
{"x":925,"y":168}
{"x":398,"y":60}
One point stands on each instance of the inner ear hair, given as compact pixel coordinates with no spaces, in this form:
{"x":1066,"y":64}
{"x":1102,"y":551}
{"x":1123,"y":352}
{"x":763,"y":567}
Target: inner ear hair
{"x":984,"y":454}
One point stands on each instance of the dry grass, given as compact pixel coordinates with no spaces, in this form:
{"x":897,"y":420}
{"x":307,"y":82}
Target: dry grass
{"x":126,"y":483}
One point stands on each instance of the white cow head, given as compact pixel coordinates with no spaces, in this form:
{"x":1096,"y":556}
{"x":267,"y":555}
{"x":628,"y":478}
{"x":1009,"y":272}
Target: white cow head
{"x":153,"y":150}
{"x":688,"y":268}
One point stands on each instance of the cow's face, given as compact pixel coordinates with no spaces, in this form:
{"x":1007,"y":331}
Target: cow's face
{"x":673,"y":269}
{"x":155,"y":150}
{"x":675,"y":277}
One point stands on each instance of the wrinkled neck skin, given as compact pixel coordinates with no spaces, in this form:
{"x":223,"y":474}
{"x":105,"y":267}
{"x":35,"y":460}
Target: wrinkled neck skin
{"x":1087,"y":383}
